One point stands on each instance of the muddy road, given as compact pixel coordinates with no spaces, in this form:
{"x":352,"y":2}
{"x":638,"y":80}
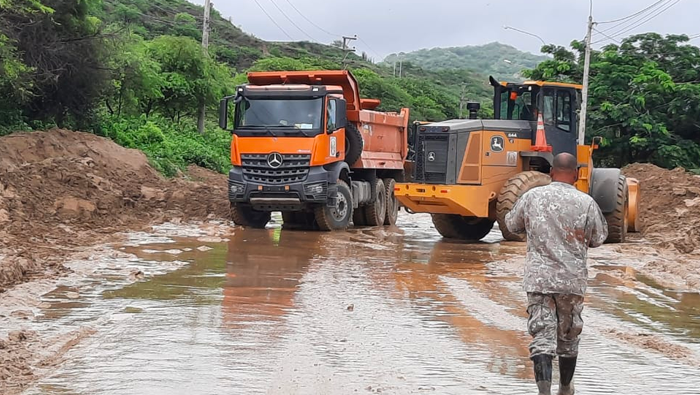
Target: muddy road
{"x":394,"y":311}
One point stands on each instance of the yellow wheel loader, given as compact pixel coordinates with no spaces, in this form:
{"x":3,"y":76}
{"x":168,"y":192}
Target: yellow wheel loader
{"x":468,"y":173}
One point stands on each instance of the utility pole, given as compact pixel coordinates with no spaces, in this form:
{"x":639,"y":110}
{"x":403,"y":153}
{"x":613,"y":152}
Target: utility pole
{"x":586,"y":72}
{"x":346,"y":49}
{"x":205,"y":44}
{"x":400,"y":67}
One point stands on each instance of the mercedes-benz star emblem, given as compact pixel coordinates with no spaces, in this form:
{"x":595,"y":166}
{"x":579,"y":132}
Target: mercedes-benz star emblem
{"x":274,"y":160}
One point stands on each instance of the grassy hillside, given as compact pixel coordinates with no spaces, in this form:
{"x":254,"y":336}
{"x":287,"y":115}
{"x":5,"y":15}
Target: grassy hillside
{"x":499,"y":60}
{"x":134,"y":71}
{"x":431,"y":94}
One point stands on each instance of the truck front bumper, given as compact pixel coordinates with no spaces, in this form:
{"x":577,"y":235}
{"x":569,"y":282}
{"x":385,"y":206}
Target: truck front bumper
{"x":296,"y":196}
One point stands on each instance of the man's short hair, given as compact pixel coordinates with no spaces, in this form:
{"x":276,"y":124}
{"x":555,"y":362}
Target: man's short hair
{"x":565,"y":161}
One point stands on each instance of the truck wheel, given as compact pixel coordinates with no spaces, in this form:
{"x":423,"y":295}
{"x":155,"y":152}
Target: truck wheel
{"x":376,"y":211}
{"x":617,"y":220}
{"x":338,"y":217}
{"x":353,"y":144}
{"x":511,"y":191}
{"x":359,"y":217}
{"x":247,"y":217}
{"x":453,"y":226}
{"x":392,"y":205}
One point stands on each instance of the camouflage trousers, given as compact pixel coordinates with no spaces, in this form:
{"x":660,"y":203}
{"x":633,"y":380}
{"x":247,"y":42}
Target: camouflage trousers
{"x":555,"y":324}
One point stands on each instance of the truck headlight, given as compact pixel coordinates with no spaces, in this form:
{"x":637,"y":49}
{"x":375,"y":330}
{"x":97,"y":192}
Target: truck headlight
{"x":237,"y":189}
{"x":314,"y":189}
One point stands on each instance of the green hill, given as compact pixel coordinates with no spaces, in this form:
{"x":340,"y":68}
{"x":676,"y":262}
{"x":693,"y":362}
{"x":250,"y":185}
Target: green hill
{"x":134,"y":70}
{"x":500,"y":60}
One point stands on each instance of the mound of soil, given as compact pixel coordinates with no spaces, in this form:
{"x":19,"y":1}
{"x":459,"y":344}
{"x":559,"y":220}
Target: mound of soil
{"x":670,"y":206}
{"x":62,"y":189}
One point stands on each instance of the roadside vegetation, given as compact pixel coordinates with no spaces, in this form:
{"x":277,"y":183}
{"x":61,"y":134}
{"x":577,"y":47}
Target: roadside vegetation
{"x":134,"y":71}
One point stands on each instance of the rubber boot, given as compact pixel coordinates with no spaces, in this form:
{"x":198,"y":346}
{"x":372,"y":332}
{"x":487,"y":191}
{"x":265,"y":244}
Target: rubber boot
{"x":567,"y":366}
{"x":543,"y":373}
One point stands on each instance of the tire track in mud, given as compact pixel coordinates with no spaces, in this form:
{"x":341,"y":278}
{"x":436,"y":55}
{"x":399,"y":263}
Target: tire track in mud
{"x":383,"y":344}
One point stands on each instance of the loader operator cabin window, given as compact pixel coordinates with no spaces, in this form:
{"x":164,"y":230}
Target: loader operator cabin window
{"x":564,"y":110}
{"x":548,"y":111}
{"x":304,"y":114}
{"x":516,"y":106}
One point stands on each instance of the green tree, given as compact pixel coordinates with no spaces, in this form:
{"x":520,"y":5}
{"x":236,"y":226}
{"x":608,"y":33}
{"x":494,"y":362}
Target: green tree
{"x":190,"y":76}
{"x":137,"y":82}
{"x":644,"y":98}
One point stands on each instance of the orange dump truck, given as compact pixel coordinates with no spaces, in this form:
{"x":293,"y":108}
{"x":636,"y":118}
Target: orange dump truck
{"x":305,"y":143}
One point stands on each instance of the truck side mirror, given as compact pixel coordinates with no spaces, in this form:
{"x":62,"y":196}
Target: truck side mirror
{"x":223,"y":114}
{"x":341,"y":115}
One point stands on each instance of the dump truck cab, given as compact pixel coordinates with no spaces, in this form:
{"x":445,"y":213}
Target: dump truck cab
{"x":304,"y":143}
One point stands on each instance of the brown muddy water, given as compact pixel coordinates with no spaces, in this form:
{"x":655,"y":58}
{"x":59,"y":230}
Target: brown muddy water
{"x":395,"y":311}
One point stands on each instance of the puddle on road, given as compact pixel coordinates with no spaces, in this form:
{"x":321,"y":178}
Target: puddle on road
{"x":368,"y":311}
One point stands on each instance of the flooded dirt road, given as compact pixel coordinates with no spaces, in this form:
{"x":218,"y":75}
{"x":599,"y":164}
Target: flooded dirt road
{"x":394,"y":311}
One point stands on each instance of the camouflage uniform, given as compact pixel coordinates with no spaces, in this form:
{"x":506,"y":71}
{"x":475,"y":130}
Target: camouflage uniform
{"x":561,"y":223}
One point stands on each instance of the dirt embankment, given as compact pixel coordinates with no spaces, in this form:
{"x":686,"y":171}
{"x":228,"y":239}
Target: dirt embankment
{"x":60,"y":190}
{"x":670,"y":213}
{"x":670,"y":206}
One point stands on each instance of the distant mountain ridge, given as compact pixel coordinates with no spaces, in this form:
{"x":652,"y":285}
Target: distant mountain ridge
{"x":500,"y":60}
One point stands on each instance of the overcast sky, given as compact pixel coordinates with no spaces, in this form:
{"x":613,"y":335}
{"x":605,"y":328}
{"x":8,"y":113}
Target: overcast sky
{"x":389,"y":26}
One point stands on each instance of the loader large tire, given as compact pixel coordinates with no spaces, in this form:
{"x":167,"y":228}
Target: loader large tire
{"x":617,"y":220}
{"x":353,"y":144}
{"x":376,"y":211}
{"x":392,"y":204}
{"x":337,"y":217}
{"x":453,"y":226}
{"x":247,"y":217}
{"x":511,"y":191}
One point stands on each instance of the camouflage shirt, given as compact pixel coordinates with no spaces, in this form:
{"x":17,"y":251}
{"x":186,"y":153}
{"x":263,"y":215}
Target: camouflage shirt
{"x":561,"y":223}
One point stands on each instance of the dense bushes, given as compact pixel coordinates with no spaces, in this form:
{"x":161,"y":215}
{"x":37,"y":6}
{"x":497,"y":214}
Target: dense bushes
{"x":171,"y":147}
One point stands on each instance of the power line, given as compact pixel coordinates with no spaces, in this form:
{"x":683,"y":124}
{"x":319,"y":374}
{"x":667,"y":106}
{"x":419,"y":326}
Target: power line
{"x":312,"y":22}
{"x":625,"y":23}
{"x":611,"y":38}
{"x":291,"y":21}
{"x":273,"y":20}
{"x":368,"y":47}
{"x":633,"y":15}
{"x":641,"y":22}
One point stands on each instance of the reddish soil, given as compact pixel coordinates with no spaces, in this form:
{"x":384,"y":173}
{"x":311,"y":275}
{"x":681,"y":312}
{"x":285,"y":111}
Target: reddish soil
{"x":670,"y":206}
{"x":60,"y":190}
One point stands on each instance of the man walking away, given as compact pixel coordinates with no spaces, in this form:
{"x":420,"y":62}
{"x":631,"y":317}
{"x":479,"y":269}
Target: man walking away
{"x":561,"y":223}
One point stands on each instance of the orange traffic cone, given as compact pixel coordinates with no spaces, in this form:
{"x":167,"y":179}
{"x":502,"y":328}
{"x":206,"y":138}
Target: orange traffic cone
{"x":541,"y":137}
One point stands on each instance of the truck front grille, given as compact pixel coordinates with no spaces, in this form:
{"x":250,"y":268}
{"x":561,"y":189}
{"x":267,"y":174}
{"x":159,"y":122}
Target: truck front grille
{"x":294,"y":168}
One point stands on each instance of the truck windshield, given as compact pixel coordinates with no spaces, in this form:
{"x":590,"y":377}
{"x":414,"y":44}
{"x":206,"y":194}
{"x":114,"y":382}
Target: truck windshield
{"x":302,"y":114}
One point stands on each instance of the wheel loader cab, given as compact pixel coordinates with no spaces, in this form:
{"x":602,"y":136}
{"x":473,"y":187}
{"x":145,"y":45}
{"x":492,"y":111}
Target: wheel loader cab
{"x":558,"y":103}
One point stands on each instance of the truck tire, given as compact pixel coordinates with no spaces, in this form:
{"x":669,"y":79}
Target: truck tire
{"x":617,"y":220}
{"x":392,"y":204}
{"x":338,"y":217}
{"x":247,"y":217}
{"x":375,"y":212}
{"x":511,"y":191}
{"x":453,"y":226}
{"x":353,"y":144}
{"x":298,"y":220}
